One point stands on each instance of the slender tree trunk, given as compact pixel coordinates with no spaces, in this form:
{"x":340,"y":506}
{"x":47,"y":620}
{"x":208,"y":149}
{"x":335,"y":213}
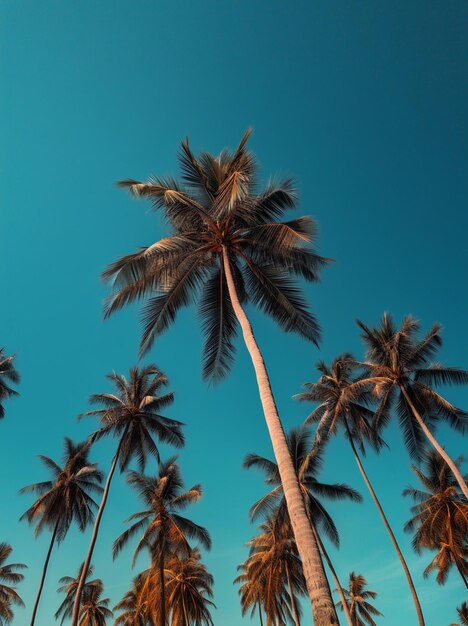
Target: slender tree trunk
{"x":323,"y":607}
{"x":339,"y":588}
{"x":260,"y":614}
{"x":292,"y":597}
{"x":162,"y":585}
{"x":387,"y":526}
{"x":435,"y":443}
{"x":97,"y":522}
{"x":44,"y":572}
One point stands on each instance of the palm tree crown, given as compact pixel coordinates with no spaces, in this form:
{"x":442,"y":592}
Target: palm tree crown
{"x":8,"y":374}
{"x":68,"y":586}
{"x":94,"y":608}
{"x":440,"y":517}
{"x":357,"y":597}
{"x":66,"y":497}
{"x":215,"y":212}
{"x":9,"y":578}
{"x":132,"y":414}
{"x":299,"y":444}
{"x":399,"y":360}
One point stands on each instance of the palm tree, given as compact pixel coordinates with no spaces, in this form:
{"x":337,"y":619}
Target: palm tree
{"x":227,"y":242}
{"x":189,"y":590}
{"x":8,"y":374}
{"x":9,"y":575}
{"x":95,"y":610}
{"x":163,"y":528}
{"x":133,"y":607}
{"x":273,"y":576}
{"x":130,"y":414}
{"x":440,"y":517}
{"x":306,"y":468}
{"x":63,"y":500}
{"x":343,"y":402}
{"x":357,"y":597}
{"x":462,"y":615}
{"x":399,"y":365}
{"x":68,"y":586}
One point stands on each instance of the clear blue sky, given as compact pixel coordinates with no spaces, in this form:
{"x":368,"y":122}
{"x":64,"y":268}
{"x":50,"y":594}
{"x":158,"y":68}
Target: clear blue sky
{"x":364,"y":103}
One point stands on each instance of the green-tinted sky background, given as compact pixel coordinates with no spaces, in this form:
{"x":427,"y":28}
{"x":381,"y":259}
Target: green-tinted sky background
{"x":364,"y":103}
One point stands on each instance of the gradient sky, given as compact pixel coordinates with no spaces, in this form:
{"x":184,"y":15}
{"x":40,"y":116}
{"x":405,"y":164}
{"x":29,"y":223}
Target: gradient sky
{"x":364,"y":103}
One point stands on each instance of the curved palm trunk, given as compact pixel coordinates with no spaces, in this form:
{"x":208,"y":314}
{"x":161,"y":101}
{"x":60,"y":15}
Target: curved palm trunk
{"x":387,"y":526}
{"x":435,"y":443}
{"x":317,"y":585}
{"x":339,"y":588}
{"x":162,"y":590}
{"x":44,"y":572}
{"x":97,"y":522}
{"x":260,"y":614}
{"x":292,"y":597}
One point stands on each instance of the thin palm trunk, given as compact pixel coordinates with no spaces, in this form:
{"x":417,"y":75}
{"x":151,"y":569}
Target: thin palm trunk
{"x":339,"y":588}
{"x":162,"y":585}
{"x":387,"y":526}
{"x":435,"y":443}
{"x":97,"y":522}
{"x":317,"y":585}
{"x":44,"y":572}
{"x":292,"y":597}
{"x":260,"y":614}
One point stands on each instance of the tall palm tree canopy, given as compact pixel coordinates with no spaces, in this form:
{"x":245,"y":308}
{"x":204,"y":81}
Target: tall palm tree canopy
{"x":213,"y":211}
{"x":132,"y":413}
{"x":161,"y":522}
{"x":9,"y":578}
{"x":94,"y":608}
{"x":401,"y":357}
{"x":68,"y":586}
{"x":341,"y":396}
{"x":66,"y":498}
{"x":133,"y":606}
{"x":299,"y":443}
{"x":272,"y":575}
{"x":440,"y":517}
{"x":8,"y":374}
{"x":357,"y":597}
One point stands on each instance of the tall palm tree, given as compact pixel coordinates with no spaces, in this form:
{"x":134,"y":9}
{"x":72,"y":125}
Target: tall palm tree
{"x":132,"y":415}
{"x":8,"y":374}
{"x":63,"y":500}
{"x":357,"y":597}
{"x":163,"y":528}
{"x":440,"y":518}
{"x":133,"y":607}
{"x":273,"y":576}
{"x":68,"y":586}
{"x":399,"y":364}
{"x":228,"y":243}
{"x":306,"y":468}
{"x":9,"y":577}
{"x":343,"y":402}
{"x":189,"y":589}
{"x":94,"y":609}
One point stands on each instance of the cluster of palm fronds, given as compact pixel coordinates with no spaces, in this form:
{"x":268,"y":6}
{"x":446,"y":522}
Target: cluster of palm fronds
{"x":230,"y":246}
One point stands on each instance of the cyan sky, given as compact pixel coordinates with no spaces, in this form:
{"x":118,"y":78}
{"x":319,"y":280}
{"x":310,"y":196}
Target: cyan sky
{"x":364,"y":103}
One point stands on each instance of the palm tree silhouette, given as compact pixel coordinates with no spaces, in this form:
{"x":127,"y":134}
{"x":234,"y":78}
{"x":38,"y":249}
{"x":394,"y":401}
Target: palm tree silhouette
{"x":399,"y":365}
{"x":440,"y":518}
{"x":68,"y":586}
{"x":131,"y":414}
{"x":357,"y":598}
{"x":8,"y":374}
{"x":343,"y":402}
{"x":63,"y":500}
{"x":163,"y":528}
{"x":228,"y":243}
{"x":9,"y":577}
{"x":95,"y":610}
